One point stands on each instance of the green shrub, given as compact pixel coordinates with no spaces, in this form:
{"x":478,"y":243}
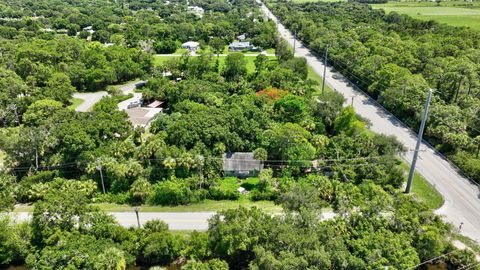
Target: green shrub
{"x":217,"y":193}
{"x":171,"y":193}
{"x":226,"y":189}
{"x":268,"y":195}
{"x":469,"y":164}
{"x":162,"y":248}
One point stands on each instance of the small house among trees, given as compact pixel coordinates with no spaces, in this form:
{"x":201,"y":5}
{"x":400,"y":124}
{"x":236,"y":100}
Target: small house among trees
{"x":241,"y":46}
{"x":241,"y":164}
{"x":190,"y":45}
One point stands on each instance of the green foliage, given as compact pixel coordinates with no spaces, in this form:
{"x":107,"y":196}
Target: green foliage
{"x":290,"y":108}
{"x":59,"y":211}
{"x":235,"y":67}
{"x":214,"y":264}
{"x":234,"y":233}
{"x":171,"y":192}
{"x":140,"y":189}
{"x":348,"y":122}
{"x":196,"y":247}
{"x":283,"y":51}
{"x":67,"y":250}
{"x":14,"y":241}
{"x":226,"y":189}
{"x":8,"y":192}
{"x":40,"y":110}
{"x":161,"y":248}
{"x":396,"y":59}
{"x":155,"y":226}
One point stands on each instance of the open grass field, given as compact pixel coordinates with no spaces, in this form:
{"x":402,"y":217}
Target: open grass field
{"x":424,"y":190}
{"x":454,"y":13}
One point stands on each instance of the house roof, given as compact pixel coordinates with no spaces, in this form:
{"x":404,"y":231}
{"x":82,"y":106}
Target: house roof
{"x":155,"y":104}
{"x":245,"y":44}
{"x":190,"y":44}
{"x":241,"y":161}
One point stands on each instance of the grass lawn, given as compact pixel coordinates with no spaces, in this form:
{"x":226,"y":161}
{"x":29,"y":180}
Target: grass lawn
{"x":314,"y":76}
{"x":468,"y":242}
{"x":270,"y":51}
{"x":424,"y":190}
{"x":159,"y":59}
{"x":75,"y":103}
{"x":205,"y":206}
{"x":453,"y":13}
{"x":2,"y":158}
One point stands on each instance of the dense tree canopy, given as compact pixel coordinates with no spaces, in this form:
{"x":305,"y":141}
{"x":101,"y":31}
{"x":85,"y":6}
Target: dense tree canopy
{"x":317,"y":153}
{"x":396,"y":59}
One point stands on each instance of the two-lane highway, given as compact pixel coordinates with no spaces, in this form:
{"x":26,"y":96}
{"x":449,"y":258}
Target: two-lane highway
{"x":462,"y":198}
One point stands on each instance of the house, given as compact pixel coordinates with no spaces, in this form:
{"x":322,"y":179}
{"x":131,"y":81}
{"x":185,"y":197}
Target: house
{"x":241,"y":164}
{"x":240,"y":46}
{"x":242,"y":37}
{"x":196,"y":10}
{"x":89,"y":29}
{"x":191,"y":45}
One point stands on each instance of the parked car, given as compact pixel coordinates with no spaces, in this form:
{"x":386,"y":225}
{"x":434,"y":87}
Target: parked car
{"x":134,"y":104}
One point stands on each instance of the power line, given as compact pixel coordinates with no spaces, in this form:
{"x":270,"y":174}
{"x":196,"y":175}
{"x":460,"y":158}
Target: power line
{"x":433,"y":259}
{"x":78,"y":163}
{"x":469,"y":266}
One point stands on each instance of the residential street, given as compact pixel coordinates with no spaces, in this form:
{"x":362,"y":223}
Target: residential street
{"x":127,"y":89}
{"x":89,"y":99}
{"x":462,"y":198}
{"x":176,"y":220}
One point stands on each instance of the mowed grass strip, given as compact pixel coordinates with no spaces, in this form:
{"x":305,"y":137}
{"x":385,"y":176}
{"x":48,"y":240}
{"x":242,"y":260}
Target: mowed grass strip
{"x":424,"y":191}
{"x":451,"y":13}
{"x":205,"y":206}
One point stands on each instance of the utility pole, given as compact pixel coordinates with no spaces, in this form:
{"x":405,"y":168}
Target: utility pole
{"x":99,"y":168}
{"x":294,"y":41}
{"x":138,"y":218}
{"x":419,"y":142}
{"x":324,"y":69}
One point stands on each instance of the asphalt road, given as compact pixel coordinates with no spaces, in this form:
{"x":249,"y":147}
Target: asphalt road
{"x":176,"y":220}
{"x":129,"y":89}
{"x":89,"y":99}
{"x":462,"y":198}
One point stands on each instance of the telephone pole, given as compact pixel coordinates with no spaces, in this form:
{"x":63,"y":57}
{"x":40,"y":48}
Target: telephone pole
{"x":99,"y":168}
{"x":324,"y":69}
{"x":294,"y":41}
{"x":419,"y":142}
{"x":138,"y":218}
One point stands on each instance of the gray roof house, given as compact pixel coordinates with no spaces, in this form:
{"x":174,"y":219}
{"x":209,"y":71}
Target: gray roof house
{"x":190,"y":45}
{"x":240,"y":46}
{"x":241,"y":164}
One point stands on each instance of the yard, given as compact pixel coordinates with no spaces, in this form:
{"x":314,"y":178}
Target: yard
{"x":454,"y":13}
{"x":159,"y":59}
{"x":75,"y":103}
